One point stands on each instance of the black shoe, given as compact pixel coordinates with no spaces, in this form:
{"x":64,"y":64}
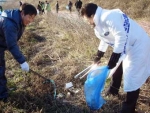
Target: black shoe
{"x":128,"y":108}
{"x":5,"y":100}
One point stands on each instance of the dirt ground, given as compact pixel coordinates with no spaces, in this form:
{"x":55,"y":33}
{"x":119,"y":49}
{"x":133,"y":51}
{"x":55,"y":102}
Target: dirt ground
{"x":50,"y":45}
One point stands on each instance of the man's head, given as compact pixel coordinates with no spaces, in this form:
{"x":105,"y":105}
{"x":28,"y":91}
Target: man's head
{"x":28,"y":13}
{"x":88,"y":11}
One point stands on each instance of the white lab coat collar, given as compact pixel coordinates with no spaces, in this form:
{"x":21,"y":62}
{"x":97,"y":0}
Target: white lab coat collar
{"x":97,"y":16}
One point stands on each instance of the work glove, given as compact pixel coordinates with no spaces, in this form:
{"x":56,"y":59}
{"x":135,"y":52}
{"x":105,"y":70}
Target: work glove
{"x":113,"y":60}
{"x":98,"y":57}
{"x":25,"y":66}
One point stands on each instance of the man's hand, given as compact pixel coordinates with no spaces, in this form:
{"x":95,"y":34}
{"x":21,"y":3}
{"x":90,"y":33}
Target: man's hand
{"x":25,"y":66}
{"x":98,"y":57}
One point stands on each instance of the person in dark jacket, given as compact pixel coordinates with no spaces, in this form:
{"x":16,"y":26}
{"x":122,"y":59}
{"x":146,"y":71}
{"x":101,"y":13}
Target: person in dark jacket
{"x":1,"y":8}
{"x":78,"y":5}
{"x":39,"y":7}
{"x":12,"y":25}
{"x":57,"y":7}
{"x":70,"y":6}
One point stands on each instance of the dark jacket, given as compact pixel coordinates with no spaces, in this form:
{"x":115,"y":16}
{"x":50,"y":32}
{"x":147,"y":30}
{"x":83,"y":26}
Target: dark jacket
{"x":11,"y":30}
{"x":78,"y":4}
{"x":70,"y":4}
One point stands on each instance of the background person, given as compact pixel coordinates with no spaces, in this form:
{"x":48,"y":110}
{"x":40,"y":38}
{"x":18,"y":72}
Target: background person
{"x":70,"y":6}
{"x":1,"y":9}
{"x":57,"y":6}
{"x":47,"y":7}
{"x":43,"y":7}
{"x":20,"y":4}
{"x":12,"y":25}
{"x":78,"y":5}
{"x":39,"y":7}
{"x":114,"y":28}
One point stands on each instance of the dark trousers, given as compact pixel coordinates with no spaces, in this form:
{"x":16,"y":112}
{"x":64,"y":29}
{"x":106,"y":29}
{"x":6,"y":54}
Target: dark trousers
{"x":3,"y":80}
{"x":57,"y":10}
{"x":70,"y":8}
{"x":129,"y":105}
{"x":116,"y":81}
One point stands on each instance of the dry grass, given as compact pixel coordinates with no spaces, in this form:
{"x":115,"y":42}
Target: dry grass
{"x":58,"y":47}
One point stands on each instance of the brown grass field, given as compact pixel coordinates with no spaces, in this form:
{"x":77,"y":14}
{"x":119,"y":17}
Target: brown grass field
{"x":57,"y":47}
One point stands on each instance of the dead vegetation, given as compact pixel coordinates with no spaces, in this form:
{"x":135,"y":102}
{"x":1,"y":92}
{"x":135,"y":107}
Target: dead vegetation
{"x":58,"y":47}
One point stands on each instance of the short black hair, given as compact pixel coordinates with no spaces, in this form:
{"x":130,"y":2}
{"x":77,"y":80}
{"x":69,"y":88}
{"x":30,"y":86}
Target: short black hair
{"x":28,"y":9}
{"x":89,"y":9}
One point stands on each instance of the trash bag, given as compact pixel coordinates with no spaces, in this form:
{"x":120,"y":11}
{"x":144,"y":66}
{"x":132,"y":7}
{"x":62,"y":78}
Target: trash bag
{"x":94,"y":85}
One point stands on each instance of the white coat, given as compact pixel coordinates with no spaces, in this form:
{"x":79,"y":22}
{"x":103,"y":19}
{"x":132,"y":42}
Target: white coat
{"x":116,"y":29}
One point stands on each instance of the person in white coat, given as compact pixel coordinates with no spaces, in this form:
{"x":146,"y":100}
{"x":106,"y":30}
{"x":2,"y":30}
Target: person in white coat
{"x":114,"y":28}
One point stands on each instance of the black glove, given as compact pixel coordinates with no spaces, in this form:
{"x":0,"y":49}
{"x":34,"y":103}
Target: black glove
{"x":98,"y":56}
{"x":113,"y":60}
